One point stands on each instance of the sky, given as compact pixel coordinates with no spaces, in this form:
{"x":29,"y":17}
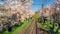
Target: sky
{"x":38,"y":7}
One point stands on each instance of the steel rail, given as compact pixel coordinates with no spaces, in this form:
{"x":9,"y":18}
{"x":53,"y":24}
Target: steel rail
{"x":36,"y":27}
{"x":27,"y":30}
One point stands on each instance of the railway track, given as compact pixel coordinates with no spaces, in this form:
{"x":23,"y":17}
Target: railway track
{"x":29,"y":29}
{"x":33,"y":28}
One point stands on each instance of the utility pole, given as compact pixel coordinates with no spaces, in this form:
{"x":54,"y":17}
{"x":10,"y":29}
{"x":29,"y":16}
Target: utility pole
{"x":42,"y":10}
{"x":42,"y":6}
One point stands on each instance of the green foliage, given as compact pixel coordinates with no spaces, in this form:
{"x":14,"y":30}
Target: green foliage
{"x":39,"y":20}
{"x":58,"y":31}
{"x":16,"y":29}
{"x":50,"y":26}
{"x":47,"y":25}
{"x":56,"y":26}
